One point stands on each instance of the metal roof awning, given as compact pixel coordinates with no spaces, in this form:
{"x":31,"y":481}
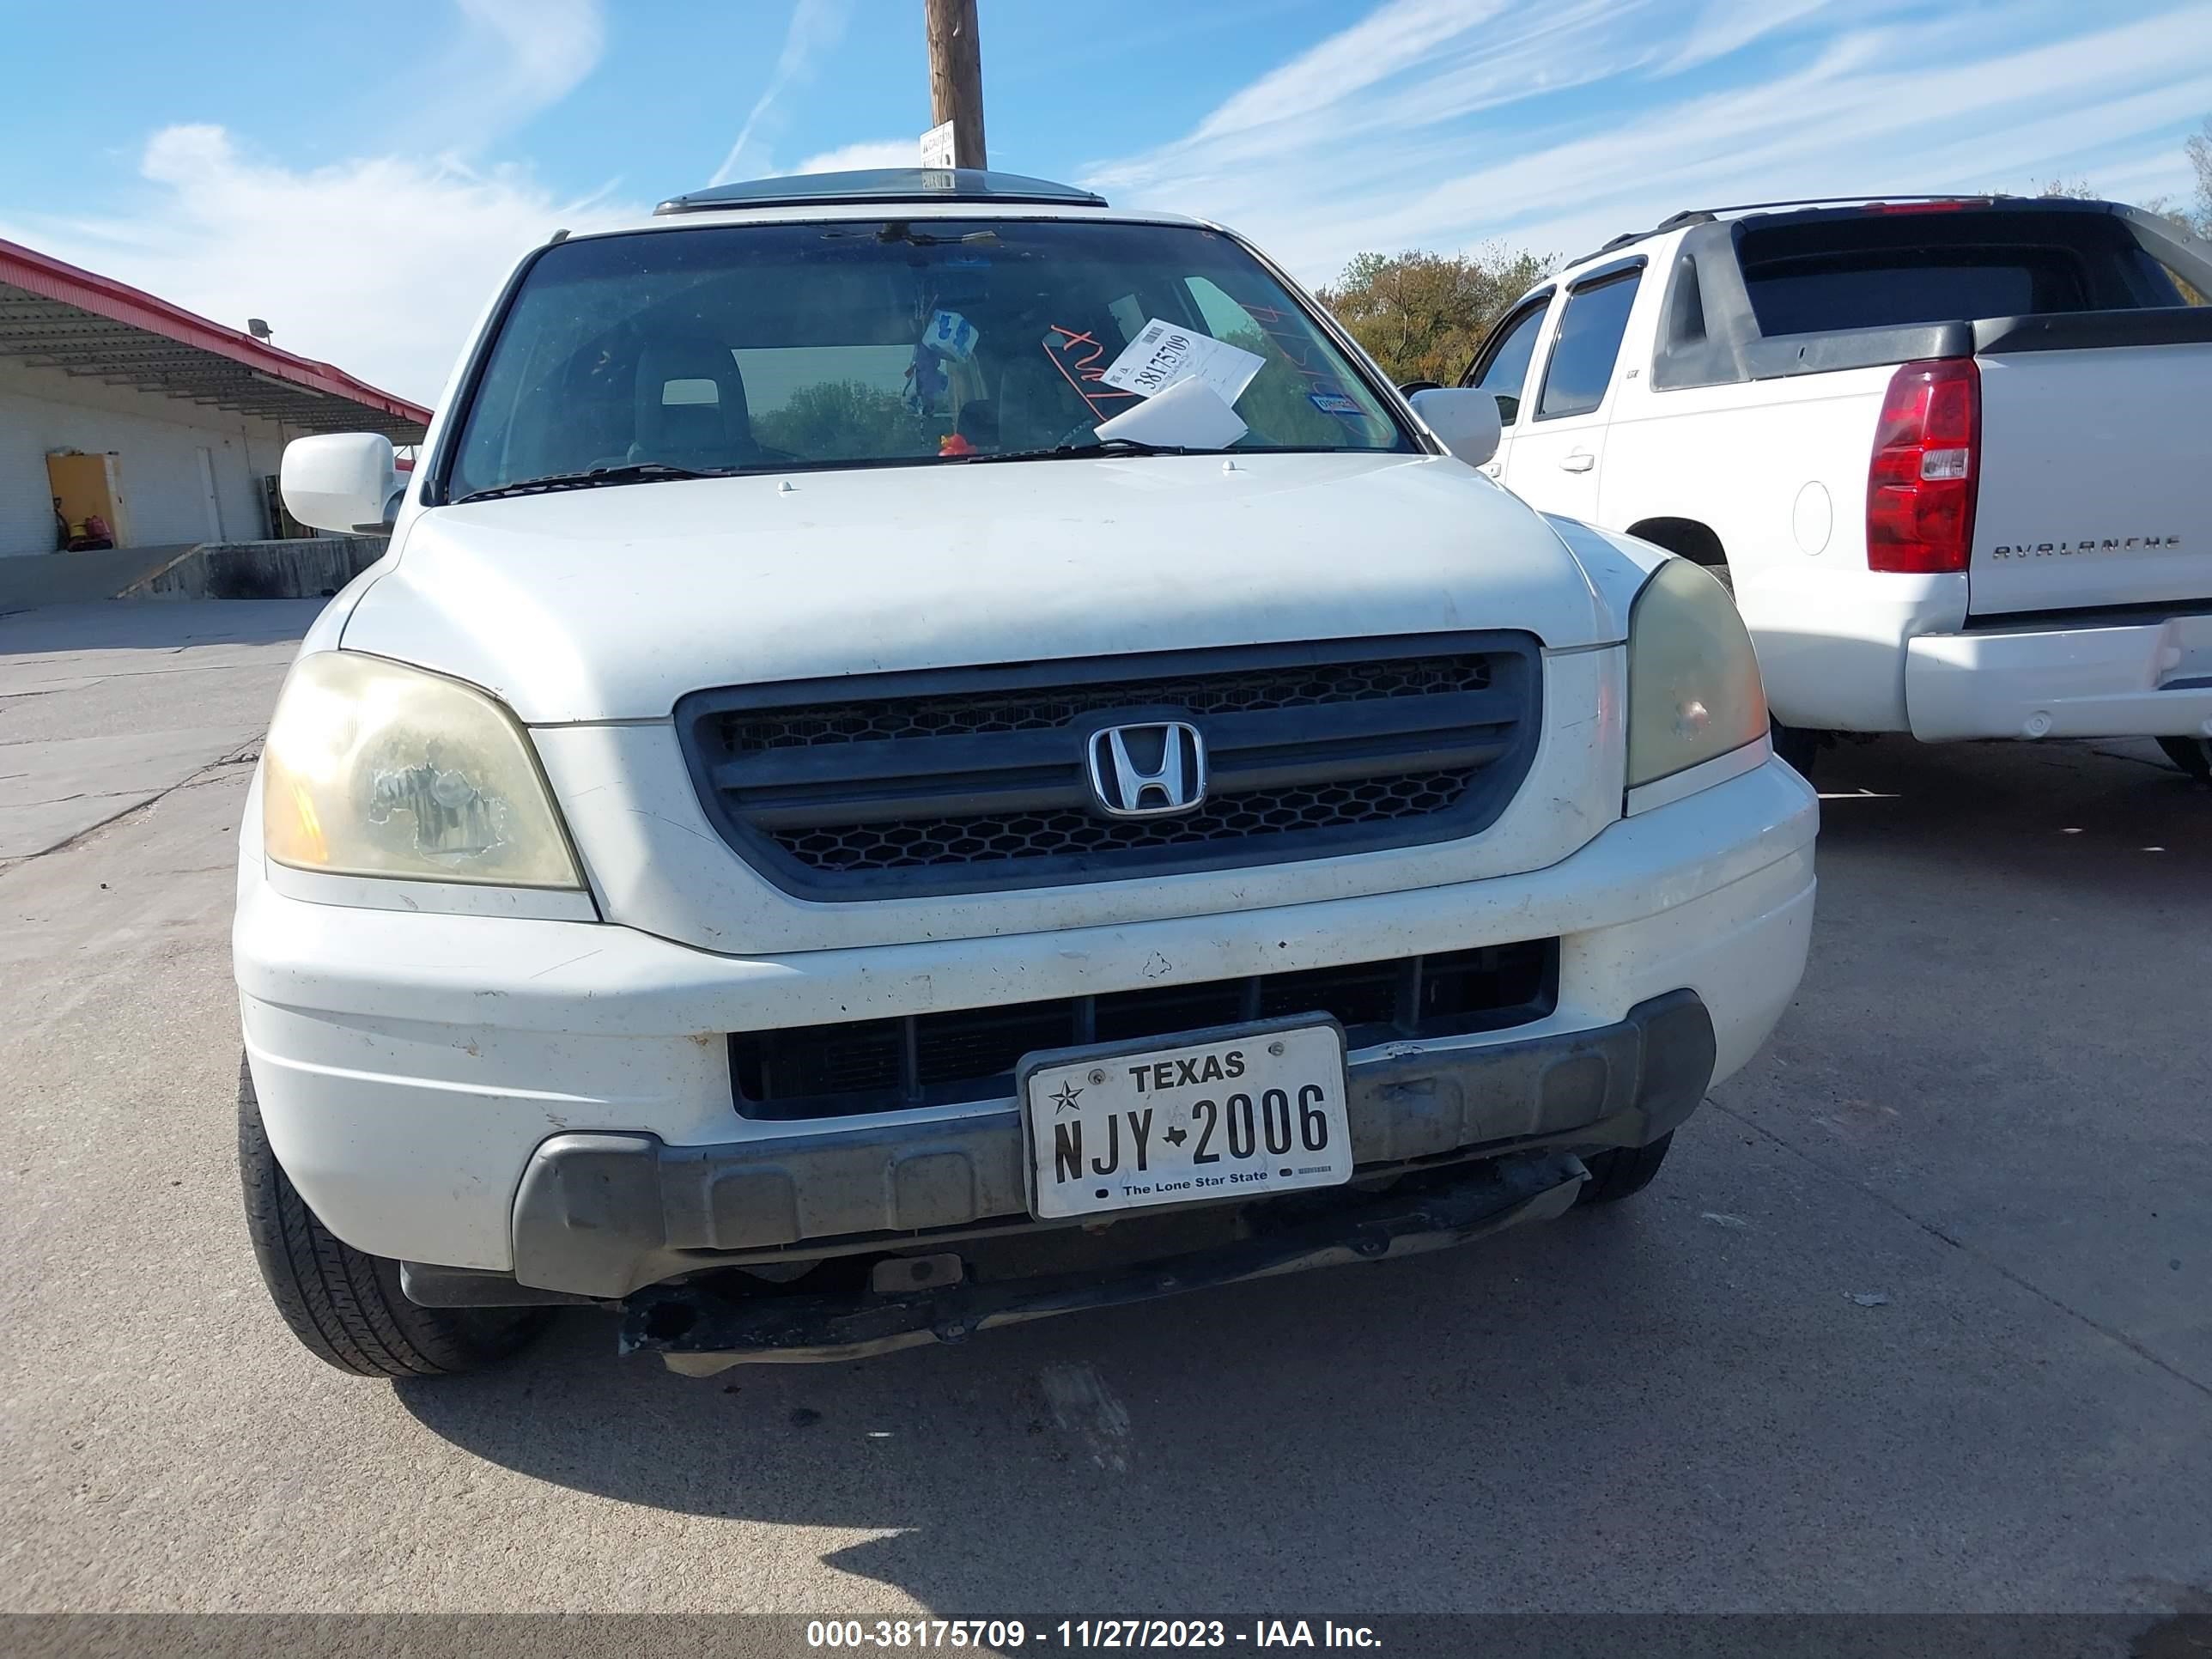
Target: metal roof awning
{"x":54,"y":315}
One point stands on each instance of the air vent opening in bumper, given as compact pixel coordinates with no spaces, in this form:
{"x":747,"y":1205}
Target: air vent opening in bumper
{"x":969,"y":1054}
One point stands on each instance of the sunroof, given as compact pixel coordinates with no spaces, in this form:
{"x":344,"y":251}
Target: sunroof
{"x":882,"y":185}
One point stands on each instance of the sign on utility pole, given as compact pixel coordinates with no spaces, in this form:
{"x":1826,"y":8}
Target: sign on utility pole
{"x":956,"y":84}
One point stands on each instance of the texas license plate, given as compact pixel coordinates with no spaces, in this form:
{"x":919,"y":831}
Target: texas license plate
{"x":1226,"y":1114}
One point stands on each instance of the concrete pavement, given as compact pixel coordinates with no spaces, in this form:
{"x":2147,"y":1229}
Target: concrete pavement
{"x":103,"y":707}
{"x":1918,"y":1316}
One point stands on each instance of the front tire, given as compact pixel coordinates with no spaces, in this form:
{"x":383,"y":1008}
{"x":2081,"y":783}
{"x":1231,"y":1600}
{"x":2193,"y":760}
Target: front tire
{"x":345,"y":1305}
{"x":2192,"y":755}
{"x":1622,"y":1171}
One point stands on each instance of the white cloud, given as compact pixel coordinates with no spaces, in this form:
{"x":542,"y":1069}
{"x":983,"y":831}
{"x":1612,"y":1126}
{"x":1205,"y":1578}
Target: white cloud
{"x":870,"y":153}
{"x":1727,"y":26}
{"x":816,"y":26}
{"x":510,"y":59}
{"x":379,"y":265}
{"x":1397,"y":36}
{"x":1404,"y":116}
{"x":1867,"y":115}
{"x":1545,"y":126}
{"x":2143,"y":176}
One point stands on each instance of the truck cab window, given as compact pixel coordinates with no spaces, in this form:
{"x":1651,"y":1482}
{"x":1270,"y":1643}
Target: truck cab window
{"x":1588,"y":344}
{"x":1503,"y":370}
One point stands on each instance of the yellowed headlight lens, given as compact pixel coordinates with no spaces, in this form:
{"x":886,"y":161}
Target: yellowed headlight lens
{"x":1693,"y":687}
{"x":375,"y":769}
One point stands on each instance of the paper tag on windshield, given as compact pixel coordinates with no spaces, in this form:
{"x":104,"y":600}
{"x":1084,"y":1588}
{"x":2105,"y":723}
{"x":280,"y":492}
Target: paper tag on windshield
{"x":1163,"y":354}
{"x":950,"y":335}
{"x":1189,"y":415}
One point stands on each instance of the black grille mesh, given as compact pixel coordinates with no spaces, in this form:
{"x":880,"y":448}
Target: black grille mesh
{"x":975,"y":713}
{"x":977,"y":780}
{"x":1070,"y":830}
{"x":831,"y":1071}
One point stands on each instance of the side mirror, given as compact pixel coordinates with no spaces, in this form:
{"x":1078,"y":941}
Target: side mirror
{"x":1410,"y":388}
{"x":1464,"y":417}
{"x":342,"y":481}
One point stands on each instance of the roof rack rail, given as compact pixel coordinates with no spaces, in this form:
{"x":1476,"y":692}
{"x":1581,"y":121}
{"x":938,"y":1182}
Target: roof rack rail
{"x":1671,"y":221}
{"x":888,"y":184}
{"x":1706,"y":216}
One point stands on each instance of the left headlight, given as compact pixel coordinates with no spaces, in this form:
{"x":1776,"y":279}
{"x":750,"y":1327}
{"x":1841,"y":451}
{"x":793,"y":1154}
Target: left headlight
{"x":1694,"y":692}
{"x":375,"y":769}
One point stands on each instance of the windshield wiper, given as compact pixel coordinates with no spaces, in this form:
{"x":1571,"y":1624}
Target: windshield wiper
{"x":591,"y":478}
{"x":1093,"y":446}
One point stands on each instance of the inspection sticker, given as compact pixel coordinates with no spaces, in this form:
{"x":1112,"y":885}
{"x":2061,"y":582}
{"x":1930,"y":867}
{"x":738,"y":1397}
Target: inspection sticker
{"x":1163,"y":354}
{"x":1335,"y":403}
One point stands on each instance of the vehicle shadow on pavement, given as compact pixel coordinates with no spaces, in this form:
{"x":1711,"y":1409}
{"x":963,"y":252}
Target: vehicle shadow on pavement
{"x":1189,"y":1449}
{"x":2113,"y":819}
{"x":965,"y":1455}
{"x":1688,"y":1402}
{"x":1195,"y":1450}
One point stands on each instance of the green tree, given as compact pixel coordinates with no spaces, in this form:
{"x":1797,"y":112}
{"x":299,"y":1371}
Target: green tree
{"x":1422,"y":316}
{"x":846,"y":420}
{"x":2199,"y":151}
{"x":2195,"y":217}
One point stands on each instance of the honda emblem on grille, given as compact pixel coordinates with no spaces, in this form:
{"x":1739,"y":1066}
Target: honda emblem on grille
{"x":1148,"y":771}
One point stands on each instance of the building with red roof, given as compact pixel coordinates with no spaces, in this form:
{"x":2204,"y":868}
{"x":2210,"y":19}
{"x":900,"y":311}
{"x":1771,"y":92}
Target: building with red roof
{"x":122,"y":414}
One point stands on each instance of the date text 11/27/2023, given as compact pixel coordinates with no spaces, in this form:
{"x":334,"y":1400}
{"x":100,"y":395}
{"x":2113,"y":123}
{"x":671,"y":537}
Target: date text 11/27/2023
{"x":1258,"y":1108}
{"x":1006,"y":1635}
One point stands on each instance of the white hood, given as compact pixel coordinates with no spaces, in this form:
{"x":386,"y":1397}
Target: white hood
{"x":610,"y":603}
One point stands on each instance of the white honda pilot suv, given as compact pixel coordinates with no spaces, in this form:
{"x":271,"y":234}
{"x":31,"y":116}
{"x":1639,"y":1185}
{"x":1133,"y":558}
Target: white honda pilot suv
{"x":925,"y":754}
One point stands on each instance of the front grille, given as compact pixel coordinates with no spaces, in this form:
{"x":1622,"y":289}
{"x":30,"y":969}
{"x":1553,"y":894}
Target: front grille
{"x":1295,"y":686}
{"x":968,"y":780}
{"x":1070,"y":832}
{"x":942,"y":1059}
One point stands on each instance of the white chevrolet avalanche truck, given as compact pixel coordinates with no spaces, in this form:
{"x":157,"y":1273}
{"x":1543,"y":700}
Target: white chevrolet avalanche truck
{"x":1950,"y":453}
{"x":926,"y":754}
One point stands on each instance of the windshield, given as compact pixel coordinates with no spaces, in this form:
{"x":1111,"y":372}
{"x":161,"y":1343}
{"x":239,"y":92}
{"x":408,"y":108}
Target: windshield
{"x":753,"y":348}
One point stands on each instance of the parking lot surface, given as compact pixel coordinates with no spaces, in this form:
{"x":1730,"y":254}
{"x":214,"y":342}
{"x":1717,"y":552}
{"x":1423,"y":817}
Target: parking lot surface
{"x":1918,"y":1316}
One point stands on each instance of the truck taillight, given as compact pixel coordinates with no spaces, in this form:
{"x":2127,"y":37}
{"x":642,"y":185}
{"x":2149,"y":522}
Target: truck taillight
{"x":1926,"y":456}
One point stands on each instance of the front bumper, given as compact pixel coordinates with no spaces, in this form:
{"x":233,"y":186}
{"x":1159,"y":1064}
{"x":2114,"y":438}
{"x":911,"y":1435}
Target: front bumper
{"x":411,"y":1066}
{"x":2137,"y":678}
{"x":702,"y":1327}
{"x":603,"y":1215}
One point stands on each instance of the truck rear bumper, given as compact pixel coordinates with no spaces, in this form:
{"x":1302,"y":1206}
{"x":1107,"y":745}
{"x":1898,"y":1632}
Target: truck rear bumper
{"x":2143,"y":678}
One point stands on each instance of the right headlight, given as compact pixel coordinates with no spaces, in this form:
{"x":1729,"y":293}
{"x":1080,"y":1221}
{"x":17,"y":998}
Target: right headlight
{"x":376,"y":768}
{"x":1693,"y":687}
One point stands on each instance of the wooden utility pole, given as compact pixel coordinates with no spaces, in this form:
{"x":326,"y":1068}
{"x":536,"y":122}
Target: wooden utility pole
{"x":956,"y":78}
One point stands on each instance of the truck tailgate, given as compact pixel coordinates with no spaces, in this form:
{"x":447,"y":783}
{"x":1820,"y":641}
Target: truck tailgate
{"x":2096,"y":482}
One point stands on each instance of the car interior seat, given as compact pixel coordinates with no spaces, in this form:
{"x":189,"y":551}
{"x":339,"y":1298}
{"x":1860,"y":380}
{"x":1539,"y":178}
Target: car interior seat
{"x":691,"y":409}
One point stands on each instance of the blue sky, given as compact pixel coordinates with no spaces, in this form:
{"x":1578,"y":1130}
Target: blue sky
{"x":362,"y":175}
